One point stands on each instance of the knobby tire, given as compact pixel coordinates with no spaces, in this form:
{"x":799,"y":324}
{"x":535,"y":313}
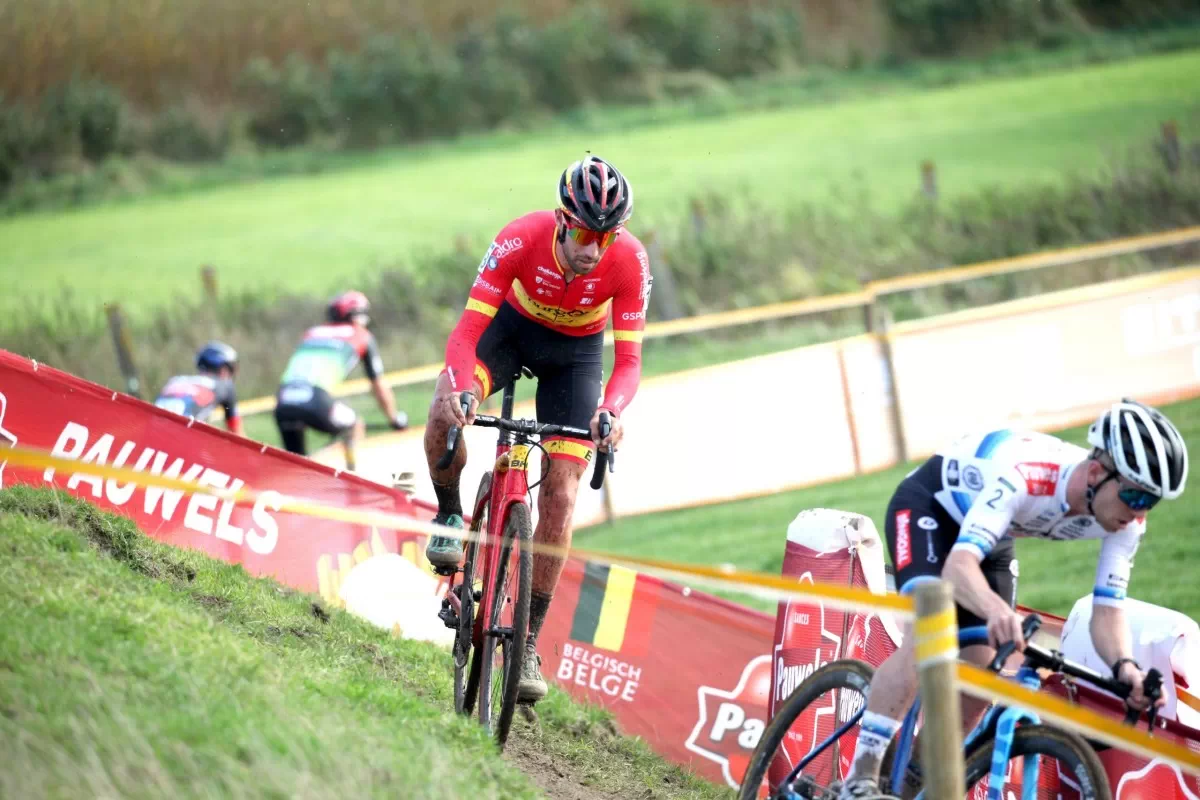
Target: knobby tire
{"x":466,"y":680}
{"x":846,"y":673}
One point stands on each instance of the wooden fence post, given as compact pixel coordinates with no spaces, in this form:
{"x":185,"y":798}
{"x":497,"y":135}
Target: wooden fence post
{"x":936,"y":633}
{"x":208,"y":276}
{"x":1170,"y":145}
{"x":929,"y":179}
{"x":885,"y":345}
{"x":121,"y":341}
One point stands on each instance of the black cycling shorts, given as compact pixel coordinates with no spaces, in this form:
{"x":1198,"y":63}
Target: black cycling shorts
{"x":569,"y":369}
{"x":299,"y":406}
{"x":920,"y":533}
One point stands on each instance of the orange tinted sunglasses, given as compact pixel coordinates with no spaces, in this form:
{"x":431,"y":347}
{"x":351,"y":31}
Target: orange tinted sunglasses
{"x":586,"y":236}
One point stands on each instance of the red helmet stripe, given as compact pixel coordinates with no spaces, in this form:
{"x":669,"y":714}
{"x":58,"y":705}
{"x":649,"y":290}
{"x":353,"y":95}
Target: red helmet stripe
{"x":604,"y":185}
{"x":587,"y":181}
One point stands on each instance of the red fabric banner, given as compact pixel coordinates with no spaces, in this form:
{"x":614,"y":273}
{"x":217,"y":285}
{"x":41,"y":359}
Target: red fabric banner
{"x":697,"y":677}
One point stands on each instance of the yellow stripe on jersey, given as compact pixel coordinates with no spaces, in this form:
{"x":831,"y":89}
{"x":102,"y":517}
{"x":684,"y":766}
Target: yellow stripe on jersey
{"x":485,"y":381}
{"x":481,"y":307}
{"x":576,"y":318}
{"x":628,"y":336}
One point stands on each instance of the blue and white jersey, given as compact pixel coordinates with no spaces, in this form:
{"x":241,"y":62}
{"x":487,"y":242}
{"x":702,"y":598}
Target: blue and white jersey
{"x":1014,"y":483}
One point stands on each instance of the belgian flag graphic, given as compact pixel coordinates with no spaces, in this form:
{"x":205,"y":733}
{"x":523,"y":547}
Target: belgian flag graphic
{"x":615,"y":610}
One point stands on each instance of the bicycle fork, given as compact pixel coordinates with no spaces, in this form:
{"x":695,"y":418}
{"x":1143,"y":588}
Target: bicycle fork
{"x":1006,"y":727}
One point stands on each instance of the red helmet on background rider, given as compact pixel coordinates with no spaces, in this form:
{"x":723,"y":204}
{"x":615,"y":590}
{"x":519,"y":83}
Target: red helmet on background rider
{"x":595,"y":195}
{"x":348,"y":304}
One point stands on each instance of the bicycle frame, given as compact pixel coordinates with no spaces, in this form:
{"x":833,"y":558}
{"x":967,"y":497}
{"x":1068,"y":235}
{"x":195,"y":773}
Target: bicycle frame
{"x":1002,"y":718}
{"x":510,"y":484}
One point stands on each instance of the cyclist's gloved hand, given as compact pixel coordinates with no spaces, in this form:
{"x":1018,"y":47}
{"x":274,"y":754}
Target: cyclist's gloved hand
{"x":1004,"y":626}
{"x":399,"y":421}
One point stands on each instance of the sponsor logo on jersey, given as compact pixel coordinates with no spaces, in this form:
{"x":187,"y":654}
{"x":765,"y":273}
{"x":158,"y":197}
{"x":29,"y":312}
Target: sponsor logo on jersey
{"x":1041,"y":477}
{"x":972,"y":477}
{"x":507,"y":247}
{"x":550,"y":272}
{"x":903,"y":539}
{"x":498,"y":250}
{"x":927,"y":524}
{"x":487,"y":287}
{"x":632,"y":315}
{"x":952,"y":472}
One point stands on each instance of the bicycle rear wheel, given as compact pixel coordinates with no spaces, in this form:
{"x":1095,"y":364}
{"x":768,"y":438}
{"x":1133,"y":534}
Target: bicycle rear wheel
{"x":508,"y":626}
{"x":1077,"y":761}
{"x":466,"y":684}
{"x":806,"y":720}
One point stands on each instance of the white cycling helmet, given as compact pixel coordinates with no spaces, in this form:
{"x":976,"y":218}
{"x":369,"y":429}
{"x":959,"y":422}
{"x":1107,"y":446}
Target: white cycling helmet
{"x":1146,"y":448}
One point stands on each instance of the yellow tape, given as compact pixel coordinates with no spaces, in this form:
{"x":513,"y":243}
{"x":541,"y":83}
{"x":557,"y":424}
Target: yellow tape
{"x":1188,"y":699}
{"x":941,"y":622}
{"x":940,"y":647}
{"x":990,"y":686}
{"x":836,"y":596}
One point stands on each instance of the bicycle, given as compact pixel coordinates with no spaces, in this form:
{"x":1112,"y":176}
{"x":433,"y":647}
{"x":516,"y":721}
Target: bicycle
{"x":1003,"y":734}
{"x":498,"y":543}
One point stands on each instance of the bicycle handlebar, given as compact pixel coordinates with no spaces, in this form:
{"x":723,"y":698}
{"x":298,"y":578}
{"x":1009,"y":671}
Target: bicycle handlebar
{"x":1037,"y":657}
{"x":526,"y":427}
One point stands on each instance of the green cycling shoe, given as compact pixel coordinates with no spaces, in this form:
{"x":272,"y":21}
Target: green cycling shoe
{"x":445,"y":552}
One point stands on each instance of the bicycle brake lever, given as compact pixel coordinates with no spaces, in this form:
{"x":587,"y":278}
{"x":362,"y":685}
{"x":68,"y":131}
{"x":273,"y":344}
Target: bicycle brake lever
{"x":1029,"y":627}
{"x":1152,"y":687}
{"x":454,"y":433}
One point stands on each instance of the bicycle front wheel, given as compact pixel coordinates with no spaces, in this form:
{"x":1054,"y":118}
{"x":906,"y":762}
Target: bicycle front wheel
{"x":508,"y":627}
{"x":466,"y":684}
{"x":806,"y":723}
{"x":1077,"y":762}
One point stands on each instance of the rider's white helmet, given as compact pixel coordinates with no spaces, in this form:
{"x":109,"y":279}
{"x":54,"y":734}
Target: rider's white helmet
{"x":1146,"y":448}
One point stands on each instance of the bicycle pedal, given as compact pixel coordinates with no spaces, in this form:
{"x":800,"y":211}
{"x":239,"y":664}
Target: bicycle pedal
{"x":445,"y":572}
{"x":446,"y":615}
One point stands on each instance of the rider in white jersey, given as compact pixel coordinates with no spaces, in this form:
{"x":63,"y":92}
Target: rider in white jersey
{"x":1015,"y":482}
{"x":955,"y":517}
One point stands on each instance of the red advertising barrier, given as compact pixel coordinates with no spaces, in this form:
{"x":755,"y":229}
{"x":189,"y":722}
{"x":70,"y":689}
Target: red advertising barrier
{"x":695,"y":676}
{"x":45,"y":408}
{"x":686,"y":671}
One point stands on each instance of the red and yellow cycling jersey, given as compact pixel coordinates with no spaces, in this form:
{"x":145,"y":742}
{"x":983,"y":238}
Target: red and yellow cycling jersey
{"x":521,"y":268}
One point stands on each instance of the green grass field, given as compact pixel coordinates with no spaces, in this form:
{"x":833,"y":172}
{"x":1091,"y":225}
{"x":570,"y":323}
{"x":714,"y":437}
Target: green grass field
{"x":131,"y":669}
{"x":312,"y":232}
{"x":751,"y":535}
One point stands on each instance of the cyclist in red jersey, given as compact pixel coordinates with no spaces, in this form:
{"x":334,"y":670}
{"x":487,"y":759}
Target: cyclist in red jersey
{"x":546,"y":289}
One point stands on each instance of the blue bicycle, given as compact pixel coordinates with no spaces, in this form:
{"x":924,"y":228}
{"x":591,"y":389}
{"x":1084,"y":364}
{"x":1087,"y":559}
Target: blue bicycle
{"x":823,"y":713}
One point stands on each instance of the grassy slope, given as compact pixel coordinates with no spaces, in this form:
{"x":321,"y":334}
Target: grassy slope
{"x":305,"y":233}
{"x":131,"y":669}
{"x":1054,"y":575}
